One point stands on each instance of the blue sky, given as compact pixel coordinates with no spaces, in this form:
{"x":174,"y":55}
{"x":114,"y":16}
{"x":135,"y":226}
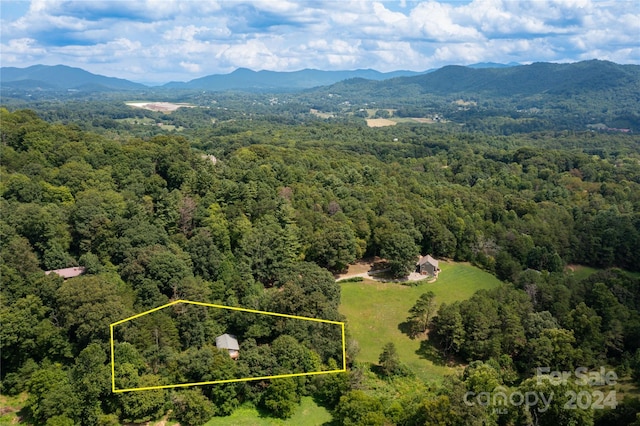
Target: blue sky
{"x":156,"y":41}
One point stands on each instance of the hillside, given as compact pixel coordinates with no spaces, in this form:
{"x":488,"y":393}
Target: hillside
{"x":524,"y":80}
{"x":576,"y":96}
{"x":61,"y":77}
{"x":288,"y":200}
{"x":245,"y":79}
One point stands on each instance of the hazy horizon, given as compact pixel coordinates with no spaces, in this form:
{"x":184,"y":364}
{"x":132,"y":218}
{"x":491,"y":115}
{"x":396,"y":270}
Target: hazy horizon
{"x":155,"y":42}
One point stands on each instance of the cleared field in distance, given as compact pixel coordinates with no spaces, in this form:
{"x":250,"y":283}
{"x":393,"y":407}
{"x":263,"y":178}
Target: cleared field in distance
{"x":374,"y":310}
{"x":307,"y":414}
{"x":159,"y":106}
{"x":380,"y":122}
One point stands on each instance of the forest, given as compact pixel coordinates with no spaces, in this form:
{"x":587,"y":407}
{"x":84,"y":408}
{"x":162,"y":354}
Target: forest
{"x":253,"y":202}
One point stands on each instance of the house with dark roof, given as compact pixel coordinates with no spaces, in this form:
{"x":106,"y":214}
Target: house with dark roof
{"x":427,"y":265}
{"x":230,"y":343}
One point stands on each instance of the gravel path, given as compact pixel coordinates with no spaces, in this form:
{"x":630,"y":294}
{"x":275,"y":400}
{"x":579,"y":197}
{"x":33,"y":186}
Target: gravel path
{"x":414,"y":276}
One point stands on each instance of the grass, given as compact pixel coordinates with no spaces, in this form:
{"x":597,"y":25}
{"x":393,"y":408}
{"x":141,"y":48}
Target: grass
{"x":11,"y":405}
{"x":307,"y":414}
{"x":626,"y":387}
{"x":633,"y":274}
{"x":375,"y":310}
{"x":581,"y":272}
{"x":146,"y":121}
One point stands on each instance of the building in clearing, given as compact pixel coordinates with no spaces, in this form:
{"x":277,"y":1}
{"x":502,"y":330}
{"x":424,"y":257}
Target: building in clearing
{"x":230,"y":343}
{"x":427,"y":265}
{"x":67,"y":273}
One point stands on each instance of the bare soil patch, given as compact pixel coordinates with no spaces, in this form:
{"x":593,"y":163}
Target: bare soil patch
{"x":320,"y":114}
{"x":361,"y":266}
{"x":462,"y":102}
{"x":159,"y":106}
{"x":374,"y":269}
{"x":380,"y":122}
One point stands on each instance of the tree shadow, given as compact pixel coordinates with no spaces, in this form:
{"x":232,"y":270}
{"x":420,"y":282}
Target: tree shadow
{"x":377,"y":370}
{"x":405,"y":328}
{"x":263,"y":413}
{"x":429,"y":351}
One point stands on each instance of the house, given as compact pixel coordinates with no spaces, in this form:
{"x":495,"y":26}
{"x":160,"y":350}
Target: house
{"x":427,"y":265}
{"x":67,"y":273}
{"x":230,"y":343}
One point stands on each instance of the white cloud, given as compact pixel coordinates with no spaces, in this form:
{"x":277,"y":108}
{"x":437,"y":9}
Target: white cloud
{"x":435,"y":21}
{"x":397,"y":53}
{"x":254,"y":54}
{"x":180,"y":39}
{"x":19,"y":50}
{"x":191,"y":67}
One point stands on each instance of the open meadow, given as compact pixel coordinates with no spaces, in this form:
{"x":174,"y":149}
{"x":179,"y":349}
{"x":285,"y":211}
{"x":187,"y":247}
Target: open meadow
{"x":307,"y":414}
{"x":374,"y":311}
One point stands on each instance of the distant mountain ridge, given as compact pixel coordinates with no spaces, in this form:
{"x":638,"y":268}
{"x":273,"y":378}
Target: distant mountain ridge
{"x":246,"y":79}
{"x":524,"y":80}
{"x":62,"y":77}
{"x":483,"y":78}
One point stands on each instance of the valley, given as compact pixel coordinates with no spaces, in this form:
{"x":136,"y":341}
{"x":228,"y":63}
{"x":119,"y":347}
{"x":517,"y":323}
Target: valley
{"x":261,"y":198}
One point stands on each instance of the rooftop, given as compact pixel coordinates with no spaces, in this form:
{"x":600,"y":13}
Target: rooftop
{"x":428,"y":259}
{"x":67,"y":272}
{"x":227,"y":341}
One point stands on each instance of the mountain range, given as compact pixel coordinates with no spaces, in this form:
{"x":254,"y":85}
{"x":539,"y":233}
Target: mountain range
{"x":485,"y":78}
{"x":536,"y":79}
{"x":61,"y":77}
{"x":245,"y":79}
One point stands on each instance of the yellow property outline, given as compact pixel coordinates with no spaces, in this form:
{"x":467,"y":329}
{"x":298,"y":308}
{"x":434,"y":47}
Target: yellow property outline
{"x":246,"y":379}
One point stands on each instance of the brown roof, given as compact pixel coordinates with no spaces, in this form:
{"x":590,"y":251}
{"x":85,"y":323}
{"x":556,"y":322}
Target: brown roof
{"x":428,"y":259}
{"x":67,"y":272}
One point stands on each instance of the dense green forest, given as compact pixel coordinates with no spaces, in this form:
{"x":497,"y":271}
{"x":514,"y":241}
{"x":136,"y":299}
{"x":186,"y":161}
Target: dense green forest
{"x":289,"y":200}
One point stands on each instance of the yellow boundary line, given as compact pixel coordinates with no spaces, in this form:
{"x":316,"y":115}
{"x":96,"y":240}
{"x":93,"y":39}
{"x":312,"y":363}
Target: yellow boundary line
{"x":245,"y":379}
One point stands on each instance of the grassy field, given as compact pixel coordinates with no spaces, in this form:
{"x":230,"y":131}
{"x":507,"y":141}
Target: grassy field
{"x":580,"y":272}
{"x":307,"y":414}
{"x":374,"y":310}
{"x":9,"y":407}
{"x":145,"y":121}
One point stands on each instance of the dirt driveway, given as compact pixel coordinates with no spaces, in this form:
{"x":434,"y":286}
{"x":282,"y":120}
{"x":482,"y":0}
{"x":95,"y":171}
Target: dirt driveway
{"x":366,"y":268}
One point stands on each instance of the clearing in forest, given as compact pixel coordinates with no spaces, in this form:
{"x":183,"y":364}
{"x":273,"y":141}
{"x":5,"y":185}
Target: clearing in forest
{"x":159,"y":106}
{"x":374,"y":310}
{"x":380,"y":122}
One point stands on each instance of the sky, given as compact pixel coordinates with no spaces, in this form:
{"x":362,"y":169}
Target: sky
{"x":157,"y":41}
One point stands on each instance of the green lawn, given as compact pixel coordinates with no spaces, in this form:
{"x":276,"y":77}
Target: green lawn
{"x":10,"y":405}
{"x":307,"y":414}
{"x":633,"y":274}
{"x":374,"y":310}
{"x":581,"y":272}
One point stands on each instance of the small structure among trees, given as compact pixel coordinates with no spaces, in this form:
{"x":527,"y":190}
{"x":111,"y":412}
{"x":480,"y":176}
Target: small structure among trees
{"x":230,"y":343}
{"x":427,"y":265}
{"x":67,"y":273}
